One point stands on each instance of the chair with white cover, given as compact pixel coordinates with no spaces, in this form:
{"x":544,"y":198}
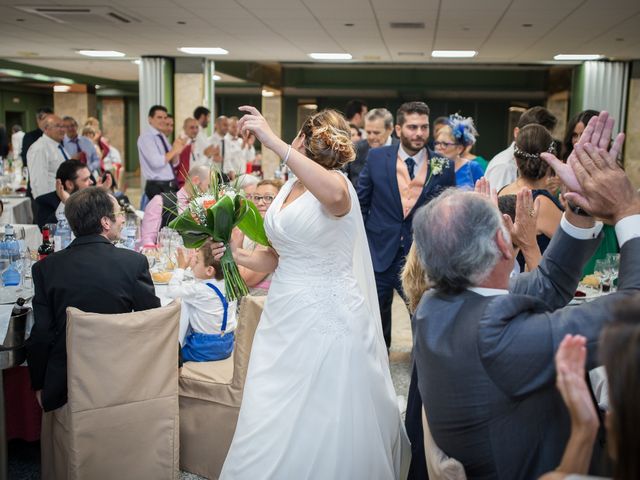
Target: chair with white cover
{"x":210,"y":397}
{"x":439,"y":465}
{"x":121,"y":420}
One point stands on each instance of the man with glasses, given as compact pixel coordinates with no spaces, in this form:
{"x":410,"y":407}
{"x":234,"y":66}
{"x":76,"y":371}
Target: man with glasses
{"x":90,"y":274}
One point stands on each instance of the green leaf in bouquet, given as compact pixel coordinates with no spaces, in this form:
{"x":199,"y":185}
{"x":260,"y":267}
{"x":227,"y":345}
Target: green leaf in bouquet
{"x":194,"y":239}
{"x":185,"y":222}
{"x":220,"y":216}
{"x":252,"y":225}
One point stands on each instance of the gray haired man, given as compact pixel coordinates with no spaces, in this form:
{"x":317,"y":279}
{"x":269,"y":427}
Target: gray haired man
{"x":484,"y":345}
{"x":378,"y":125}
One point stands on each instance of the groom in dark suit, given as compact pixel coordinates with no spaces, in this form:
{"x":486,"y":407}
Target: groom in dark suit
{"x":484,"y":344}
{"x":395,"y":181}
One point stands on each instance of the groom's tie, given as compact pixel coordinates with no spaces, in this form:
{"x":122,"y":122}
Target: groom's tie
{"x":411,"y":164}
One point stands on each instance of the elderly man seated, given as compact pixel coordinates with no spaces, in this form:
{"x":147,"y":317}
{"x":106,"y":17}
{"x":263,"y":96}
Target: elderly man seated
{"x":484,"y":345}
{"x":163,"y":208}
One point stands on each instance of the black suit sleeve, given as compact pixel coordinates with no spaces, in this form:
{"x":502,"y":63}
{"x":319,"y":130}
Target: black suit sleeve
{"x":144,"y":295}
{"x":43,"y":331}
{"x":365,"y":188}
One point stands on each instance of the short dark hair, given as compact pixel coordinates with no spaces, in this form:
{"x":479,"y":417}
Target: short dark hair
{"x":409,"y":108}
{"x":210,"y":261}
{"x":43,"y":112}
{"x":200,"y":111}
{"x":85,"y":210}
{"x":68,"y":118}
{"x":353,"y":108}
{"x":441,"y":121}
{"x":155,"y":108}
{"x":68,"y":170}
{"x":538,"y":115}
{"x":169,"y":115}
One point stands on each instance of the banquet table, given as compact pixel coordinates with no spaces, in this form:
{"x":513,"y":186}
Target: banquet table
{"x":16,"y":210}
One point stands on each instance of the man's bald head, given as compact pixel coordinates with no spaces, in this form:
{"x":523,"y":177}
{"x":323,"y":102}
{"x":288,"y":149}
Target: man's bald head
{"x":53,"y":127}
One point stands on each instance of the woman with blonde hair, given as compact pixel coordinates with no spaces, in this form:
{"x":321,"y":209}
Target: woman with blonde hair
{"x":318,"y":402}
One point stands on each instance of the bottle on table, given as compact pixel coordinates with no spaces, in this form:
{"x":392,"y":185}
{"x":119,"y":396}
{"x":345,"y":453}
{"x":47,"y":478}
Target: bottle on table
{"x":46,"y":248}
{"x":62,"y":238}
{"x":10,"y":251}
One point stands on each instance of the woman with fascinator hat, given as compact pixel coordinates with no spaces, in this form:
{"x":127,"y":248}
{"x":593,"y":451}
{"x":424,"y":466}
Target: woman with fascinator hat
{"x":533,"y":173}
{"x":452,"y":141}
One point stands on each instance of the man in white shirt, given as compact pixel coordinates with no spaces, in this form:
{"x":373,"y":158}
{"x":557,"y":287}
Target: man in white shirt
{"x":502,"y":169}
{"x":16,"y":141}
{"x":217,"y":140}
{"x":238,"y":151}
{"x":45,"y":156}
{"x":202,"y":151}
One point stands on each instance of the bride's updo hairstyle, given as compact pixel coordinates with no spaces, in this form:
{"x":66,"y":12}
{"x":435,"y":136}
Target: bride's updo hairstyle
{"x":533,"y":140}
{"x":328,"y":139}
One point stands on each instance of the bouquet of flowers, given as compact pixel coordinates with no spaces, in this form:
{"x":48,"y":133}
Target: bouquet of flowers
{"x":214,"y":214}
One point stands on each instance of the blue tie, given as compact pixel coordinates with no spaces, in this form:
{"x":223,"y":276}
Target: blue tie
{"x":164,"y":144}
{"x":411,"y":165}
{"x":64,"y":154}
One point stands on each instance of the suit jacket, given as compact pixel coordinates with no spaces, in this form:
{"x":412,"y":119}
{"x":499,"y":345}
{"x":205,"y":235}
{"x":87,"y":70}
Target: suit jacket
{"x":46,"y":206}
{"x":486,"y":364}
{"x":94,"y":276}
{"x":354,"y":168}
{"x":387,"y":228}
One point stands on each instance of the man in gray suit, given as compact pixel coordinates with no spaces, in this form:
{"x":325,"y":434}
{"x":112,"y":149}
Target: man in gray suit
{"x":484,"y":345}
{"x":378,"y":125}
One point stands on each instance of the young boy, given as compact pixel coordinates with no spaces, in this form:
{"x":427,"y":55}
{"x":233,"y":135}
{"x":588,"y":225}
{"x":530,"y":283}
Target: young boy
{"x":205,"y":310}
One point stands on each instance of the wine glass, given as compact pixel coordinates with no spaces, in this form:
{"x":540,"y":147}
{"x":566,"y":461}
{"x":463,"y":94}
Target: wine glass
{"x":614,"y":267}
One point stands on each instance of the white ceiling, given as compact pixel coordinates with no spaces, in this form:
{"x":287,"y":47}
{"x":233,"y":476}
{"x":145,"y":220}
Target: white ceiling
{"x":288,"y":30}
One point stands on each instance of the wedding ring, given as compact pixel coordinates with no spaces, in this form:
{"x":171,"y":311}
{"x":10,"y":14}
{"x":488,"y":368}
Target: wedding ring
{"x":532,"y":212}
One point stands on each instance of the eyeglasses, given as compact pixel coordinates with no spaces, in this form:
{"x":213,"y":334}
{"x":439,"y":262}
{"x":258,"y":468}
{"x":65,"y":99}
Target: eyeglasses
{"x":264,"y":198}
{"x":444,"y":144}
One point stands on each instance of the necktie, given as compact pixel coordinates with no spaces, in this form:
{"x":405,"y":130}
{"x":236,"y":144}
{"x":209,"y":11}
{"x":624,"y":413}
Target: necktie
{"x":164,"y":144}
{"x":411,"y":165}
{"x":64,"y":154}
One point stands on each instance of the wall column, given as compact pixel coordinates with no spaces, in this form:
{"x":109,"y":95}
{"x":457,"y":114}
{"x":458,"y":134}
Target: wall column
{"x":77,"y":101}
{"x":272,"y":112}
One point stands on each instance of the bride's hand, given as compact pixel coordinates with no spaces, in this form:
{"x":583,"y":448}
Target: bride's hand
{"x":253,"y":122}
{"x":217,"y":248}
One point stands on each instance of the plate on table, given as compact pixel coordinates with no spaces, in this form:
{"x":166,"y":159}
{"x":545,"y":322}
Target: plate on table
{"x":585,"y":293}
{"x":161,"y":278}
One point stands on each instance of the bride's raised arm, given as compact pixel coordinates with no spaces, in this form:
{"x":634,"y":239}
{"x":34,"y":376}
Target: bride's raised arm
{"x":331,"y":143}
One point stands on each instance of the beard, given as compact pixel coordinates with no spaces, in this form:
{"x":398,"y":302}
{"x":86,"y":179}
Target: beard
{"x":413,"y":146}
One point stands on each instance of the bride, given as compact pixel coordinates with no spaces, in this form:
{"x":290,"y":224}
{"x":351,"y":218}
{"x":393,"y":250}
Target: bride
{"x":318,"y":401}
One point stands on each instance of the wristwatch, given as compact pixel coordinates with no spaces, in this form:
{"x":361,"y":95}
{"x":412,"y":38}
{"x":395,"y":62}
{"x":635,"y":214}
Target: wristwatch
{"x":578,"y":210}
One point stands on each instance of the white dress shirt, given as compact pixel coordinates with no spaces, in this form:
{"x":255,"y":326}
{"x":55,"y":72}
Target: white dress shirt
{"x":419,"y":157}
{"x":202,"y":309}
{"x":43,"y":159}
{"x":16,"y":144}
{"x":198,"y":146}
{"x":502,"y":169}
{"x":234,"y":156}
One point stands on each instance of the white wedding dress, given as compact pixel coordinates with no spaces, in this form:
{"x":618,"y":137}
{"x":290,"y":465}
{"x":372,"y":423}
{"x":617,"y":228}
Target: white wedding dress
{"x":318,"y":400}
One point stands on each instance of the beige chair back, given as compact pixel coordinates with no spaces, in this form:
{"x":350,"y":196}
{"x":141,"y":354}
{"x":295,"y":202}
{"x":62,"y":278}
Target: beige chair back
{"x":439,"y":465}
{"x":123,"y":394}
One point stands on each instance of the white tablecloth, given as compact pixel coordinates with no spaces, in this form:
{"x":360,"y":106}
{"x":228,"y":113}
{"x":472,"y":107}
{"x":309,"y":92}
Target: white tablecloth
{"x":32,"y":235}
{"x":16,"y":210}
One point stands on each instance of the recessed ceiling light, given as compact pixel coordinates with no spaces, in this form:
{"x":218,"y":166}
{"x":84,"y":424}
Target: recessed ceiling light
{"x":216,"y":78}
{"x":137,"y":62}
{"x":331,"y":56}
{"x":101,"y":53}
{"x":454,"y":53}
{"x":61,"y":88}
{"x":98,"y":87}
{"x":203,"y":50}
{"x":267,"y":93}
{"x":577,"y":56}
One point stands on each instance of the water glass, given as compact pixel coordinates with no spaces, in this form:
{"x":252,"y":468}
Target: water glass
{"x":601,"y":271}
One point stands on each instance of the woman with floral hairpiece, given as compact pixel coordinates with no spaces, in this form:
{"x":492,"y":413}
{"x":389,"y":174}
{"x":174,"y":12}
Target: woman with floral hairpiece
{"x":533,"y":173}
{"x":318,"y":401}
{"x":452,"y":141}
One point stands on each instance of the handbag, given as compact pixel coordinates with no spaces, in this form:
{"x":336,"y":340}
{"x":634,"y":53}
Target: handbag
{"x":209,"y":347}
